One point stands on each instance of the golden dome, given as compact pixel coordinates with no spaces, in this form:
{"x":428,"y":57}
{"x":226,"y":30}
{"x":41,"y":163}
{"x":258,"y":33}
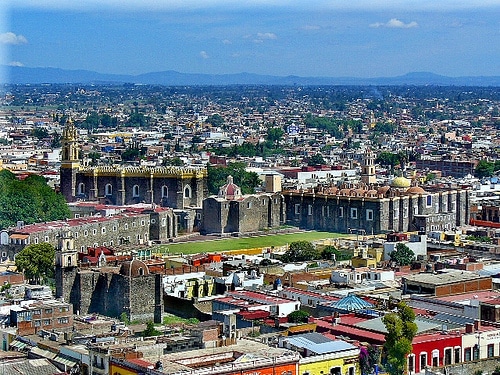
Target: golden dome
{"x":401,"y":182}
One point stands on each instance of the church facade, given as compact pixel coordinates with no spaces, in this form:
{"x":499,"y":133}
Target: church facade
{"x":232,"y":212}
{"x":175,"y":187}
{"x":368,"y":208}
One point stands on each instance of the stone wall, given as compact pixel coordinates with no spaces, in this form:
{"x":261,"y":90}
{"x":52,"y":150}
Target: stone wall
{"x":251,"y":214}
{"x":125,"y":228}
{"x":109,"y":293}
{"x":345,"y":213}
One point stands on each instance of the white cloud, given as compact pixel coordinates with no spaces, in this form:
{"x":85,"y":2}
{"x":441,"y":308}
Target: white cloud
{"x":226,"y":41}
{"x":261,"y":37}
{"x":204,"y":55}
{"x":266,"y":36}
{"x":11,"y":38}
{"x":16,"y":63}
{"x":395,"y":24}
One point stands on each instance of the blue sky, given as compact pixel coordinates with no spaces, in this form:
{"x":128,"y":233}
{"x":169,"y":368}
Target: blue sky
{"x":357,"y":38}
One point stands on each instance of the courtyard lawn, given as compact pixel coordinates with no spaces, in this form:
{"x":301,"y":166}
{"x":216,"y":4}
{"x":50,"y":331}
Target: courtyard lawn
{"x":220,"y":245}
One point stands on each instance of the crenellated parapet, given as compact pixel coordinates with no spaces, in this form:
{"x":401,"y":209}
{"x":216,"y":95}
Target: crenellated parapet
{"x":142,"y":171}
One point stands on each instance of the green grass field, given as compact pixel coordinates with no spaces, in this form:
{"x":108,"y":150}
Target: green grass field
{"x":228,"y":244}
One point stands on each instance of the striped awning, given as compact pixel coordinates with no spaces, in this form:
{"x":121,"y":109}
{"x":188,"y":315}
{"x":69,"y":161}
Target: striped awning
{"x":65,"y":360}
{"x":43,"y":353}
{"x":19,"y":345}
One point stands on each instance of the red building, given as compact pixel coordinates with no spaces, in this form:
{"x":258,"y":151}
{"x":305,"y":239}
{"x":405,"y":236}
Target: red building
{"x":435,"y":349}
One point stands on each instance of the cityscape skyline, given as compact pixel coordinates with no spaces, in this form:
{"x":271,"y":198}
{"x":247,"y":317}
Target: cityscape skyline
{"x":335,"y":39}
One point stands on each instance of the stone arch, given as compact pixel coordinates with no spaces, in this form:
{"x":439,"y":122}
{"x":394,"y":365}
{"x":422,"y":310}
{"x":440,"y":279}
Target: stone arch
{"x":135,"y":191}
{"x":108,"y":189}
{"x":187,"y":191}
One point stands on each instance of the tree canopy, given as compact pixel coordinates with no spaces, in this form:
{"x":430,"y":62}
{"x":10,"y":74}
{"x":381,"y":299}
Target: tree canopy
{"x":217,"y":177}
{"x":298,"y":316}
{"x":486,"y":168}
{"x":215,"y":120}
{"x":335,"y":127}
{"x":30,"y":200}
{"x":300,"y":251}
{"x":150,"y":330}
{"x":316,"y":159}
{"x":36,"y":261}
{"x":331,"y":253}
{"x":403,"y":255}
{"x":401,"y":329}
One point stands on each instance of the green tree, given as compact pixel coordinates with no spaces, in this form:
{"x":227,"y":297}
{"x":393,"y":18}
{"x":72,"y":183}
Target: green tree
{"x":403,"y":255}
{"x":316,"y":159}
{"x":30,"y":200}
{"x":387,"y":159}
{"x":137,"y":120}
{"x":484,"y":169}
{"x":331,"y":253}
{"x":215,"y":120}
{"x":430,"y":176}
{"x":91,"y":121}
{"x":36,"y":261}
{"x":94,"y":156}
{"x":217,"y":177}
{"x":55,"y":141}
{"x":300,"y":251}
{"x":298,"y":316}
{"x":401,"y":330}
{"x":40,"y":133}
{"x":175,"y":161}
{"x":150,"y":330}
{"x":131,"y":153}
{"x":274,"y":135}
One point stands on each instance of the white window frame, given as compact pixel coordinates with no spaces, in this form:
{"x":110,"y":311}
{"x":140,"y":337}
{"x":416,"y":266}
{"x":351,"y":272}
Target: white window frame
{"x":369,"y":215}
{"x":354,"y":213}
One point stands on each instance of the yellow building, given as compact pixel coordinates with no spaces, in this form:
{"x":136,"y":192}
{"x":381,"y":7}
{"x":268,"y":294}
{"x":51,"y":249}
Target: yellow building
{"x":367,"y":257}
{"x":321,"y":355}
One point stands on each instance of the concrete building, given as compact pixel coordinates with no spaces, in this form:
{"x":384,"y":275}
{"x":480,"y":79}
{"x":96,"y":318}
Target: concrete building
{"x":445,"y":283}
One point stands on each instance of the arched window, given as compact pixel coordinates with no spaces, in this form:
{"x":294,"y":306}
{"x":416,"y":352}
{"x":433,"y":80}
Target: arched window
{"x":69,"y":261}
{"x":164,"y":191}
{"x":187,"y":191}
{"x":135,"y":191}
{"x":108,"y":189}
{"x":81,"y":188}
{"x":141,"y":271}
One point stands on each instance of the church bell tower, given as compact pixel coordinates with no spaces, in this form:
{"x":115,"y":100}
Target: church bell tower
{"x":66,"y":265}
{"x":368,"y":175}
{"x":69,"y":161}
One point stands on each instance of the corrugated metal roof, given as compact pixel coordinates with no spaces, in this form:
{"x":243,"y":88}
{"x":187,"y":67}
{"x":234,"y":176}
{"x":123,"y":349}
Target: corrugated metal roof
{"x":317,"y":343}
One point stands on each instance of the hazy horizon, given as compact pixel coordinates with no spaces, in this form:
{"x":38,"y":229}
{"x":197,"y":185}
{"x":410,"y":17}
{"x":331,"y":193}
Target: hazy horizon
{"x":362,"y":39}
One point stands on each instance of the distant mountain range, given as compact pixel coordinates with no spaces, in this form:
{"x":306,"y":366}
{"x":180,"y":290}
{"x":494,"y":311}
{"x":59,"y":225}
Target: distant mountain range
{"x":24,"y":75}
